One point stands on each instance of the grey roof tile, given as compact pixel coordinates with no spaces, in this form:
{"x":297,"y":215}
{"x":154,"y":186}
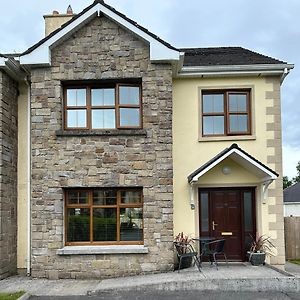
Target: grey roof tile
{"x":292,"y":193}
{"x":225,"y":56}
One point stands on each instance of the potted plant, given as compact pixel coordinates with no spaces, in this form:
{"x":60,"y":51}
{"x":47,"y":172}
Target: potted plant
{"x":260,"y":246}
{"x":181,"y":242}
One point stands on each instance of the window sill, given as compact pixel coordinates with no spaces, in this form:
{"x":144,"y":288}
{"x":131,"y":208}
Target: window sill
{"x":227,"y":138}
{"x":113,"y":132}
{"x":89,"y":250}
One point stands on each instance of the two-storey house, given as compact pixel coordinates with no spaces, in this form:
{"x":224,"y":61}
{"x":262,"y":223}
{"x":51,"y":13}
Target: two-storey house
{"x":113,"y":141}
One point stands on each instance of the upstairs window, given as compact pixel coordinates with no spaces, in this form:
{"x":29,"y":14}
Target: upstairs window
{"x":92,"y":107}
{"x":226,"y":113}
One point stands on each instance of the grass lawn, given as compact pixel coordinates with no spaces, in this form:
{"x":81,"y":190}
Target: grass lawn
{"x":295,"y":261}
{"x":11,"y":296}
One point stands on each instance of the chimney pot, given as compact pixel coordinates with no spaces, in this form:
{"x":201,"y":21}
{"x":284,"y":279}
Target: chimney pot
{"x":55,"y":12}
{"x":69,"y":10}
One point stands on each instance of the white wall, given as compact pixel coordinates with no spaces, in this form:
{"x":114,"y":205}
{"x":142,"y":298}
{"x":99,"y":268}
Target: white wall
{"x":292,"y":209}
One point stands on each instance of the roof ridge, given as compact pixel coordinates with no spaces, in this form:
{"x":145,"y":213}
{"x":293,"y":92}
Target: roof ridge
{"x":218,"y":47}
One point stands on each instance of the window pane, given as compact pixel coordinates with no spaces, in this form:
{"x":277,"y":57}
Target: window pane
{"x":130,"y":117}
{"x":213,"y":125}
{"x":78,"y":197}
{"x":105,"y":197}
{"x":131,"y":224}
{"x":103,"y":97}
{"x":76,"y":118}
{"x":204,"y":211}
{"x":213,"y":103}
{"x":104,"y":224}
{"x":248,"y":211}
{"x":131,"y":196}
{"x":76,"y":97}
{"x":237,"y":103}
{"x":78,"y":222}
{"x":129,"y":95}
{"x":103,"y":118}
{"x":238,"y":123}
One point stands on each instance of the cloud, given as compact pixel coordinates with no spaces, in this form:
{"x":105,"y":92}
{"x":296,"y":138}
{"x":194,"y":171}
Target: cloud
{"x":291,"y":157}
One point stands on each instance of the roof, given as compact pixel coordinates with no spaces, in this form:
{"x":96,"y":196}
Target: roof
{"x":292,"y":193}
{"x":186,"y":61}
{"x":234,"y":148}
{"x":87,"y":9}
{"x":225,"y":56}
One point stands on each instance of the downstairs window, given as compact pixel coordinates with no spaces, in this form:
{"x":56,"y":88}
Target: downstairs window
{"x":104,"y":216}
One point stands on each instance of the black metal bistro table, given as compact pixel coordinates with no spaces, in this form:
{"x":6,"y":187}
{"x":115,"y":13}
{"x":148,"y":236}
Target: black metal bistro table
{"x":202,"y":240}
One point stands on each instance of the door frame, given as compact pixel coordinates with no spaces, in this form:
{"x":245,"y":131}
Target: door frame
{"x":240,"y":189}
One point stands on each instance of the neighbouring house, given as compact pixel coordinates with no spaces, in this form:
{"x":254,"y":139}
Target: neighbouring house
{"x":291,"y":199}
{"x":113,"y":141}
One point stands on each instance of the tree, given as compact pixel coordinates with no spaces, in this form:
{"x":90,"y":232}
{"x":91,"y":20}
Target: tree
{"x":297,"y":178}
{"x":286,"y":182}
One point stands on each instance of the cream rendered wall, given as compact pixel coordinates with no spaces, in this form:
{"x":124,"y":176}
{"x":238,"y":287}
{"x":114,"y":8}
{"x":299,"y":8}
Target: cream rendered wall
{"x":53,"y":22}
{"x":22,"y":175}
{"x":190,"y":151}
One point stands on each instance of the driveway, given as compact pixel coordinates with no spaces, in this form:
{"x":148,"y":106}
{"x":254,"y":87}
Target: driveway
{"x":179,"y":295}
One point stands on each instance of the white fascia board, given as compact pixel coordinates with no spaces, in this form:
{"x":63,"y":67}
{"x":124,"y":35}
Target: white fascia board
{"x":158,"y":51}
{"x":254,"y":163}
{"x":195,"y":178}
{"x":245,"y":70}
{"x":291,"y":203}
{"x":42,"y":54}
{"x":269,"y":174}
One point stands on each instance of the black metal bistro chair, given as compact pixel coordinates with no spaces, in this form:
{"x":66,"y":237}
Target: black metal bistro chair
{"x":212,"y":249}
{"x":185,"y":251}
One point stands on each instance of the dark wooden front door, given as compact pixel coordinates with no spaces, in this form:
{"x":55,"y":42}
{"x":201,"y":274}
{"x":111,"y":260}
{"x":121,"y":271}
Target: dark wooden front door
{"x":230,"y":216}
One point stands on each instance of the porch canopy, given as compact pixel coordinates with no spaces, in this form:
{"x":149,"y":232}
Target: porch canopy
{"x":242,"y":158}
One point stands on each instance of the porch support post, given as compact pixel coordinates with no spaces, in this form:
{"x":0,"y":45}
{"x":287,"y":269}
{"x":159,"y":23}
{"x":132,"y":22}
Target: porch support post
{"x":192,"y":195}
{"x":264,"y":189}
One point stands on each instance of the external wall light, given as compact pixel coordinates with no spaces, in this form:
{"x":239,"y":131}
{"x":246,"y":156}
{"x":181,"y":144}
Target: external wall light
{"x":226,"y":170}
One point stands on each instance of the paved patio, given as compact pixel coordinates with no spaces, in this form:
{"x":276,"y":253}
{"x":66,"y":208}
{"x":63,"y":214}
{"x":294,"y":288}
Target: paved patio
{"x":235,"y":277}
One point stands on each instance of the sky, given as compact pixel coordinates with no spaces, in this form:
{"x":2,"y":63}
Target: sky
{"x":270,"y":27}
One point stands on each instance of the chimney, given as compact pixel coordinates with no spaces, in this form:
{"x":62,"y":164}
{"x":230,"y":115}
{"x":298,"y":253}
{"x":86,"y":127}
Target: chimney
{"x":54,"y":21}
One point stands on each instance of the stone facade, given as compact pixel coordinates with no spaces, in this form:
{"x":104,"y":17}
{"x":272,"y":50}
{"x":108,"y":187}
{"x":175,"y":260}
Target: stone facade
{"x":8,"y":175}
{"x":101,"y":50}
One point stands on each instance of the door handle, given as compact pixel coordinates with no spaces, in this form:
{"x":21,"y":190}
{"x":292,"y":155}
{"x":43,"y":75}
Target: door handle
{"x":214,"y":225}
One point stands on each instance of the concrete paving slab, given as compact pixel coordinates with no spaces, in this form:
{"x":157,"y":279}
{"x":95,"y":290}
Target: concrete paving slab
{"x":47,"y":287}
{"x":235,"y":277}
{"x":293,"y":268}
